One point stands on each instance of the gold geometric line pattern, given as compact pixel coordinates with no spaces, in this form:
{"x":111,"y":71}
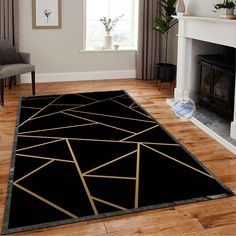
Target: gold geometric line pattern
{"x":135,"y":106}
{"x":66,"y":105}
{"x":45,"y":130}
{"x":39,"y":111}
{"x":36,"y":108}
{"x":45,"y":201}
{"x":110,"y":177}
{"x":99,"y":140}
{"x":34,"y":171}
{"x":140,"y":132}
{"x":54,"y":113}
{"x":86,"y":174}
{"x":110,"y":126}
{"x":119,"y":117}
{"x":42,"y":137}
{"x":131,"y":108}
{"x":109,"y":162}
{"x":81,"y":95}
{"x":180,"y":162}
{"x":72,"y":109}
{"x":109,"y":203}
{"x":137,"y":177}
{"x":82,"y":178}
{"x":158,"y":144}
{"x":103,"y":100}
{"x":44,"y":158}
{"x":136,"y":186}
{"x":36,"y":98}
{"x":38,"y":145}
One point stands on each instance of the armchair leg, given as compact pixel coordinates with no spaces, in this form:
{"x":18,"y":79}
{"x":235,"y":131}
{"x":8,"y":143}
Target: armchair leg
{"x":2,"y":91}
{"x":11,"y":81}
{"x":33,"y":82}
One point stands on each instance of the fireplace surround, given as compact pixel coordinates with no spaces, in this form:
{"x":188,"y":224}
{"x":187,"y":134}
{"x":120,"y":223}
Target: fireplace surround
{"x":199,"y":36}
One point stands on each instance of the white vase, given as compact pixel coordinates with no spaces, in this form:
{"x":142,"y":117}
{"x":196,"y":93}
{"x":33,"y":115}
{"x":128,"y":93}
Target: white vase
{"x":108,"y":41}
{"x":180,"y":6}
{"x":229,"y":11}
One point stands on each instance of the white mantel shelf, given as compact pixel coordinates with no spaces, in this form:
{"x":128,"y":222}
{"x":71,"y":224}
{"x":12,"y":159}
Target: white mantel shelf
{"x":215,"y":30}
{"x":209,"y":19}
{"x":193,"y":32}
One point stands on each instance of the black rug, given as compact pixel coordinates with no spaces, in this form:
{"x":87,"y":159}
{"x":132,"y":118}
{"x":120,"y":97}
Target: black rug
{"x":91,"y":155}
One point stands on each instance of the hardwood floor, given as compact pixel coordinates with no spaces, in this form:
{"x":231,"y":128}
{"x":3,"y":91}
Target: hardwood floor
{"x":215,"y":217}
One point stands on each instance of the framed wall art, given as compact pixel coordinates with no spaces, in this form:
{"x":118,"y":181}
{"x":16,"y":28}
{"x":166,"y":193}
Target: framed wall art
{"x":46,"y":14}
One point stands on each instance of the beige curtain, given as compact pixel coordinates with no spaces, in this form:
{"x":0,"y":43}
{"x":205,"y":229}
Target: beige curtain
{"x":149,"y":41}
{"x":9,"y":22}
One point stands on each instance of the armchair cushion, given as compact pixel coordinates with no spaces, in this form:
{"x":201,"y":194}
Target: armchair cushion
{"x":8,"y":53}
{"x":15,"y":69}
{"x":25,"y":57}
{"x":9,"y":56}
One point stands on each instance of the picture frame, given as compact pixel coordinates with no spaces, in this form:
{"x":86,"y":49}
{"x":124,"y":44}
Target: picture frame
{"x":46,"y":14}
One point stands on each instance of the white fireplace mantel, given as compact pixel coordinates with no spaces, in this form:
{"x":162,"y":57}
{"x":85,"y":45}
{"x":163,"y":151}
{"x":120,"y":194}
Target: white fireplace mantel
{"x":214,"y":30}
{"x":191,"y":33}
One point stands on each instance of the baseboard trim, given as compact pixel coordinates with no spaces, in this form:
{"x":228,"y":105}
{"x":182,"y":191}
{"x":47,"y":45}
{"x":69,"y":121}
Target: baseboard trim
{"x":79,"y":76}
{"x":214,"y":135}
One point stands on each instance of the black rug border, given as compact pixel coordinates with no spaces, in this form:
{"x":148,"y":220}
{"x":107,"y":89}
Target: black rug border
{"x":6,"y":230}
{"x":5,"y":223}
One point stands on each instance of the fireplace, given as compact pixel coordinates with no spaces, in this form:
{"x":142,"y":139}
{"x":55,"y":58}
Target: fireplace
{"x":217,"y":82}
{"x":202,"y":36}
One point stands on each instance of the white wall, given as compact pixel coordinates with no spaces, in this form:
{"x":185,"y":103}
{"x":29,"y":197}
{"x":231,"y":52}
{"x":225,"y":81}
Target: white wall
{"x":56,"y":53}
{"x":172,"y":55}
{"x":58,"y":50}
{"x":202,"y":7}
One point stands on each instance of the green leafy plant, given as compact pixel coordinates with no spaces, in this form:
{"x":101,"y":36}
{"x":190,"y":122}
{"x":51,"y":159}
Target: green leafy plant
{"x":226,"y":4}
{"x":110,"y":24}
{"x":165,"y":22}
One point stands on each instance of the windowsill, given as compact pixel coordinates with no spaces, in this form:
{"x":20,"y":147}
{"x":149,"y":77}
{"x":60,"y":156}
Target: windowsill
{"x":109,"y":50}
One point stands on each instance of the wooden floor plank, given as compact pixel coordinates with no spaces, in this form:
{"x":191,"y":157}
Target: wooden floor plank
{"x":221,"y":219}
{"x":222,"y":230}
{"x":215,"y":217}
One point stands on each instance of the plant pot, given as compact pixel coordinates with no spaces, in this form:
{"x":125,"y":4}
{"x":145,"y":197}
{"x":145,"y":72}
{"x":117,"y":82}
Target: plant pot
{"x":165,"y":72}
{"x":229,"y":11}
{"x":108,"y":41}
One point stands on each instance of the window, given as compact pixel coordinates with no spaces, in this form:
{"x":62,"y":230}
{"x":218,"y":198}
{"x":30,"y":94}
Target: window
{"x":125,"y":31}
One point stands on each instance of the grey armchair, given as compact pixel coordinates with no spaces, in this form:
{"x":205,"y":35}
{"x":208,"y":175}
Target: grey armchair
{"x":13,"y":63}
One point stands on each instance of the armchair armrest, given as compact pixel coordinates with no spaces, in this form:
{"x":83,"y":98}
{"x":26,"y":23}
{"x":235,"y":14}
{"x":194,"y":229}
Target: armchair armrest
{"x":25,"y":57}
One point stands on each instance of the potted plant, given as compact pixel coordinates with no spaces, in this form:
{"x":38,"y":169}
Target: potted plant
{"x":229,"y":5}
{"x":109,"y":25}
{"x":163,"y":24}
